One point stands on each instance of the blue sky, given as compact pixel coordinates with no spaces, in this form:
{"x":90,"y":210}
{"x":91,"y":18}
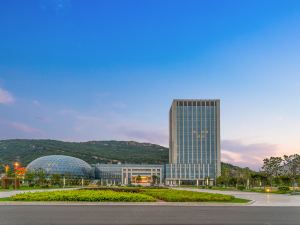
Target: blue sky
{"x":101,"y":70}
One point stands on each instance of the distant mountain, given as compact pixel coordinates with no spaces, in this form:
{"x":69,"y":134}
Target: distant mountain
{"x":232,"y":169}
{"x":25,"y":150}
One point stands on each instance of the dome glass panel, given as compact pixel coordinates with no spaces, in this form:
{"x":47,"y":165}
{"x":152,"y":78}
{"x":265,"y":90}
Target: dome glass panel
{"x":61,"y":164}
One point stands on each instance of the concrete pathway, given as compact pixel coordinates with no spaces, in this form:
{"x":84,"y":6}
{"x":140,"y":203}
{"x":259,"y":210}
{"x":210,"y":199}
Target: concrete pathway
{"x":259,"y":199}
{"x":5,"y":194}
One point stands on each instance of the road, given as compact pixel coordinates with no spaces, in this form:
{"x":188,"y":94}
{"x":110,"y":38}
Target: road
{"x":125,"y":215}
{"x":260,"y":199}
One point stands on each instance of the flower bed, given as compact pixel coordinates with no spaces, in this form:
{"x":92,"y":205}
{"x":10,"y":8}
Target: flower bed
{"x":84,"y":195}
{"x":126,"y":195}
{"x":170,"y":195}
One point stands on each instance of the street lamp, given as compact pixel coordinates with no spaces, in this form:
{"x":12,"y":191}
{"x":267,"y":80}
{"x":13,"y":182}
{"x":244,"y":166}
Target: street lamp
{"x":6,"y":168}
{"x":16,"y":165}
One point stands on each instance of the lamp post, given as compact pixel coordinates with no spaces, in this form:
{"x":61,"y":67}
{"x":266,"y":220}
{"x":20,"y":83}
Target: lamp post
{"x":16,"y":181}
{"x":64,"y":182}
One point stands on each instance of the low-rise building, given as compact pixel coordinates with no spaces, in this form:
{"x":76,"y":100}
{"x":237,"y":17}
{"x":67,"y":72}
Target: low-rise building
{"x":126,"y":174}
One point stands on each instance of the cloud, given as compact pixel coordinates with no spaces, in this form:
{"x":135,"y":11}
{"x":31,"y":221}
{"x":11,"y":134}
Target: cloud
{"x":23,"y":127}
{"x":6,"y":97}
{"x":247,"y":155}
{"x":157,"y":136}
{"x":228,"y":156}
{"x":54,"y":5}
{"x":119,"y":105}
{"x":112,"y":125}
{"x":36,"y":103}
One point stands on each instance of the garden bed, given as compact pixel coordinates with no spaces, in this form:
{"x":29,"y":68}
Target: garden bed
{"x":126,"y":195}
{"x":84,"y":195}
{"x":170,"y":195}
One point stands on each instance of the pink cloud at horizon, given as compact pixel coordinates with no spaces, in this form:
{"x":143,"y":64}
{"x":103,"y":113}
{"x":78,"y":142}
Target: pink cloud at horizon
{"x":6,"y":97}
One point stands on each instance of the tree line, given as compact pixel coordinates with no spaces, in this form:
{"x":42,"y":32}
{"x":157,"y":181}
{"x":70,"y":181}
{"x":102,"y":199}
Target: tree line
{"x":276,"y":171}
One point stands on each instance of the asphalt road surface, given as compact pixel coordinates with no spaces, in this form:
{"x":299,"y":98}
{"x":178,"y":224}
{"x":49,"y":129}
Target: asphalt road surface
{"x":131,"y":215}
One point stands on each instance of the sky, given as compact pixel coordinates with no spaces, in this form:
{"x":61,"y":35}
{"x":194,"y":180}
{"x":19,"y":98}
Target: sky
{"x":77,"y":70}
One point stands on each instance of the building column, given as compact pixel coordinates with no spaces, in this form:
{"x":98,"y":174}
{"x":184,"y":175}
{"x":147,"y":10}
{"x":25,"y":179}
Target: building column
{"x":160,"y":177}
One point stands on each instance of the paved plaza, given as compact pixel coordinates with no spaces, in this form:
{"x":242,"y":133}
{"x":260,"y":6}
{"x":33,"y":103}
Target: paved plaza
{"x":259,"y":199}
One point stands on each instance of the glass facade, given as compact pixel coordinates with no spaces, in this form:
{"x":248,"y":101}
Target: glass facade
{"x":123,"y":173}
{"x":194,"y":139}
{"x":61,"y":164}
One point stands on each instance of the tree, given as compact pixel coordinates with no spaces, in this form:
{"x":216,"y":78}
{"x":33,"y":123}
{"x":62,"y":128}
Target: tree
{"x":29,"y":177}
{"x":138,"y":179}
{"x":272,"y":167}
{"x":10,"y":172}
{"x":2,"y":166}
{"x":246,"y":174}
{"x":55,"y":179}
{"x":292,"y":167}
{"x":255,"y":179}
{"x":225,"y":176}
{"x":41,"y":177}
{"x":222,"y":180}
{"x":155,"y":179}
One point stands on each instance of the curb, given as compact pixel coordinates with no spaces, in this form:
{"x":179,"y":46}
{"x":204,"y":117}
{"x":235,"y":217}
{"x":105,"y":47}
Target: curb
{"x":185,"y":204}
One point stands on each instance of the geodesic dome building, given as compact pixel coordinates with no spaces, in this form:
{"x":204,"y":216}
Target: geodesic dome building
{"x":61,"y":164}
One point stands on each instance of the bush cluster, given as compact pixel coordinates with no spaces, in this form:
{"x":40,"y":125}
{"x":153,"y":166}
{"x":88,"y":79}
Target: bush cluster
{"x":283,"y":189}
{"x":84,"y":195}
{"x":170,"y":195}
{"x":241,"y":187}
{"x":124,"y":195}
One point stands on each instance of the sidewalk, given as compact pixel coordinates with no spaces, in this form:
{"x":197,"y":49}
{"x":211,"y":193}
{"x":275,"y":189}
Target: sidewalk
{"x":259,"y":199}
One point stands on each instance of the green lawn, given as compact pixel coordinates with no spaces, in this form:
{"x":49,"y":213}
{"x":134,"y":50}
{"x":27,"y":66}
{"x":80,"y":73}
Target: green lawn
{"x":126,"y":195}
{"x":5,"y":199}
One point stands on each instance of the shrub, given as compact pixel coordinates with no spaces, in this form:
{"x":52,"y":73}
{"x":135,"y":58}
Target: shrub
{"x":124,"y":195}
{"x":241,"y":187}
{"x":170,"y":195}
{"x":117,"y":189}
{"x":283,"y":188}
{"x":84,"y":195}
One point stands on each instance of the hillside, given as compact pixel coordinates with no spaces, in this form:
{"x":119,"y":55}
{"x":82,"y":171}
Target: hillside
{"x":92,"y":151}
{"x":25,"y":151}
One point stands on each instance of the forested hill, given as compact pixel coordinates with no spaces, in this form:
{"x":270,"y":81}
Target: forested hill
{"x":25,"y":150}
{"x":92,"y":151}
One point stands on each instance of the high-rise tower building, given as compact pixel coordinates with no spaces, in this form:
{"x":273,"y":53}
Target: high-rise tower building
{"x":194,"y":151}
